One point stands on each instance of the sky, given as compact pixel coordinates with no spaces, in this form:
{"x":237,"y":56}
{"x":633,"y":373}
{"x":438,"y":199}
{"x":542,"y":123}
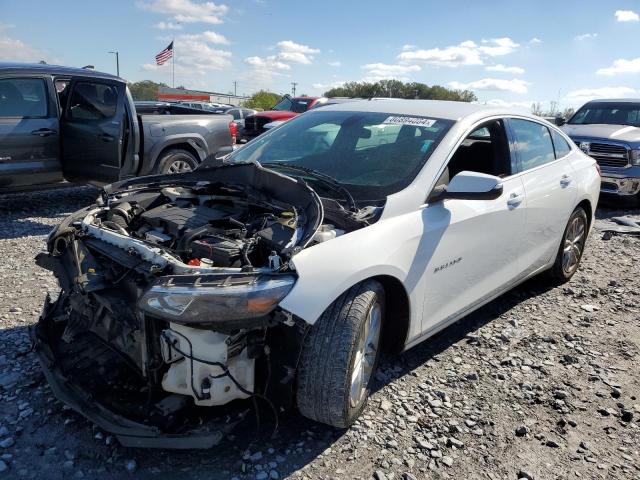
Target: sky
{"x":514,"y":52}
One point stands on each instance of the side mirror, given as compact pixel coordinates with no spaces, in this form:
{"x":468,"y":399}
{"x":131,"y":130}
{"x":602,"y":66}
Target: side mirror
{"x":560,"y":121}
{"x":469,"y":186}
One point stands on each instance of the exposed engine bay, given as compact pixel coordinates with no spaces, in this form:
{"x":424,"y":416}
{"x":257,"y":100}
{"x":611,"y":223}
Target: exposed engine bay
{"x":169,"y":297}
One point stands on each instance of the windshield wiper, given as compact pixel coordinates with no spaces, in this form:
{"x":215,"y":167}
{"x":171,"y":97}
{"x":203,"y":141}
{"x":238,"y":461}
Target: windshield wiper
{"x":327,"y":180}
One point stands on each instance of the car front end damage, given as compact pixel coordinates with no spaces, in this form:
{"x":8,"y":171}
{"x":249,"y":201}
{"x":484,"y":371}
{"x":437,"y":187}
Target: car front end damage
{"x":168,"y":317}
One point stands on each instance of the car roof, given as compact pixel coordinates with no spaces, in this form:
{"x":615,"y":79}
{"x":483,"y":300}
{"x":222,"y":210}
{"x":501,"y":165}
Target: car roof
{"x":434,"y":108}
{"x":39,"y":68}
{"x":615,"y":100}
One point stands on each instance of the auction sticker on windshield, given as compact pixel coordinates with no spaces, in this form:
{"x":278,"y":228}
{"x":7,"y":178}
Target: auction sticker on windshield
{"x":416,"y":121}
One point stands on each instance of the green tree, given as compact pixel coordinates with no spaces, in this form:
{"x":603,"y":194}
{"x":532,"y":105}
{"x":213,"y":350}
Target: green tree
{"x":145,"y":89}
{"x":398,"y":89}
{"x":262,"y":100}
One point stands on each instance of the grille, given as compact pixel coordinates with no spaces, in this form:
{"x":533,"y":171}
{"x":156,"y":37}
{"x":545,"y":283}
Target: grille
{"x":609,"y":155}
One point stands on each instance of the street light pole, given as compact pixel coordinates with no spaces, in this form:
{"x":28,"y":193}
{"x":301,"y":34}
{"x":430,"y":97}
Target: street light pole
{"x":117,"y":62}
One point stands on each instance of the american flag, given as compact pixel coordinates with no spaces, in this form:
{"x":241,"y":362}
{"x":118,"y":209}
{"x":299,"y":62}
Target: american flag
{"x":164,"y":55}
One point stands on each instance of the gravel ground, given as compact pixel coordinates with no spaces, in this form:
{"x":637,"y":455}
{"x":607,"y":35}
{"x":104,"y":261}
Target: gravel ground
{"x":541,"y":383}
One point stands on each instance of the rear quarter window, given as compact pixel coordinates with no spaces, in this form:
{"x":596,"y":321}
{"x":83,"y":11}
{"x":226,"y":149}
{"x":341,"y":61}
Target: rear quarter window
{"x":560,"y":145}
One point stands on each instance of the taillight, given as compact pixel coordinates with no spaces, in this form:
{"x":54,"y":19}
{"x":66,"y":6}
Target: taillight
{"x":598,"y":169}
{"x":233,"y":130}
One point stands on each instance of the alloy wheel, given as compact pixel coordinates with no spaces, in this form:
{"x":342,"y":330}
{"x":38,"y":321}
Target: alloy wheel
{"x":179,"y":166}
{"x":365,"y":356}
{"x":573,"y":245}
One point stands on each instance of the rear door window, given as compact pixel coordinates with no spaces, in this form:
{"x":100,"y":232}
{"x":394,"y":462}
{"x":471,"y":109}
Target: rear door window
{"x":93,"y":101}
{"x":533,"y":143}
{"x":23,"y":97}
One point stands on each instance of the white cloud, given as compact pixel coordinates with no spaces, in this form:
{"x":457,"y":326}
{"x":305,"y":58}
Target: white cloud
{"x":289,"y":46}
{"x":328,"y":86}
{"x":465,"y":53}
{"x":535,"y":41}
{"x":288,"y":52}
{"x":208,"y":36}
{"x":499,"y":103}
{"x":504,"y":69}
{"x":497,"y":47}
{"x":585,"y":36}
{"x":408,"y":46}
{"x":12,"y":49}
{"x":168,"y":26}
{"x":334,"y":64}
{"x":515,"y":85}
{"x":383,"y":71}
{"x":621,"y":66}
{"x":627,"y":16}
{"x":186,"y":11}
{"x":267,"y":63}
{"x":586,"y":94}
{"x":293,"y":52}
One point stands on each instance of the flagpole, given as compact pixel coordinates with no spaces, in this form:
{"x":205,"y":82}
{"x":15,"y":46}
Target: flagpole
{"x":173,"y":64}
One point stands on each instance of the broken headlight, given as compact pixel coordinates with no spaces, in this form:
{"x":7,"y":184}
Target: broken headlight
{"x":203,"y":299}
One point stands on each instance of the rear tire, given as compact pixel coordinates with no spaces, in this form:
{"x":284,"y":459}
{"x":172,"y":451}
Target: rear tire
{"x":176,"y":160}
{"x":340,"y":356}
{"x":571,"y":247}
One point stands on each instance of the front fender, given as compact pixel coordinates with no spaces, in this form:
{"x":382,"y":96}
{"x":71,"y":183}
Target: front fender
{"x":328,"y":269}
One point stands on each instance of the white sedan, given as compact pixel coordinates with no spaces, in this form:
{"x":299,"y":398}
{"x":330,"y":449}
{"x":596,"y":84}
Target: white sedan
{"x":349,"y":230}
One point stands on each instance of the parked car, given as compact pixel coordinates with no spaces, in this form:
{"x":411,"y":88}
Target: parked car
{"x":205,"y":106}
{"x":609,"y":131}
{"x":168,"y":108}
{"x":285,"y":109}
{"x":353,"y":229}
{"x":59,"y":123}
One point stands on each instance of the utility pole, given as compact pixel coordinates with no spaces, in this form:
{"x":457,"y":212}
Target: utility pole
{"x":293,"y":88}
{"x":117,"y":62}
{"x":235,"y":88}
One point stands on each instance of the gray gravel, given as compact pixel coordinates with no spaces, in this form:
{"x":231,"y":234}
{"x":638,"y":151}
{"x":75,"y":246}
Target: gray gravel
{"x":539,"y":384}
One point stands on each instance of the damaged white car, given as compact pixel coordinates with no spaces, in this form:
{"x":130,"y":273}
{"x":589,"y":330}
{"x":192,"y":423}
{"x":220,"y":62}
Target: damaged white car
{"x":282,"y":274}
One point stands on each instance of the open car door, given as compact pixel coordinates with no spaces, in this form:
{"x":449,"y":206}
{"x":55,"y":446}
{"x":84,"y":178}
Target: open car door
{"x":93,"y":131}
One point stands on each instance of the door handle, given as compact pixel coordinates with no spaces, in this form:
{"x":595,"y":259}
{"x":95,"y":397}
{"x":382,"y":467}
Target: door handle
{"x":43,"y":132}
{"x":565,"y":180}
{"x":105,"y":137}
{"x":515,"y":199}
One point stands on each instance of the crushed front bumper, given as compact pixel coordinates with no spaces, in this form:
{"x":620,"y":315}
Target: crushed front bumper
{"x":130,"y":433}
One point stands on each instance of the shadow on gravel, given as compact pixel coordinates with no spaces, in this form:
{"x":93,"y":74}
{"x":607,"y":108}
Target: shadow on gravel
{"x":24,"y":214}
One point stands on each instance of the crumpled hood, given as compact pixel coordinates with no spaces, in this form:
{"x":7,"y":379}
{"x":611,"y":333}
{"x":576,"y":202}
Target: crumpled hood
{"x":623,"y":133}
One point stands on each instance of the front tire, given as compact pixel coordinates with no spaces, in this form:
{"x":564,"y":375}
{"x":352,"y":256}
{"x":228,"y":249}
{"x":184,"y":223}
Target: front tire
{"x":176,"y":160}
{"x":340,"y":355}
{"x":571,"y":247}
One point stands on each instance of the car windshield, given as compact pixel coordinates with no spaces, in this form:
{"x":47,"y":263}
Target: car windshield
{"x":608,"y":114}
{"x":297,"y":105}
{"x":372,"y":154}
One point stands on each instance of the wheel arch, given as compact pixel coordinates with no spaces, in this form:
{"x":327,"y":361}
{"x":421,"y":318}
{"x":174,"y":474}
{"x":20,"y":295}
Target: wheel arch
{"x":586,"y":205}
{"x":397,"y":314}
{"x":195,"y":146}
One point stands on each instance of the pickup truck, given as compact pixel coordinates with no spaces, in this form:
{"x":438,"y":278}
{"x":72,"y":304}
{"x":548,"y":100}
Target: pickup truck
{"x":284,"y":110}
{"x":78,"y":125}
{"x":609,"y":131}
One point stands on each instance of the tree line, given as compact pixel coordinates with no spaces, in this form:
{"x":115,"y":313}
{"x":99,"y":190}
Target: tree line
{"x":148,"y":90}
